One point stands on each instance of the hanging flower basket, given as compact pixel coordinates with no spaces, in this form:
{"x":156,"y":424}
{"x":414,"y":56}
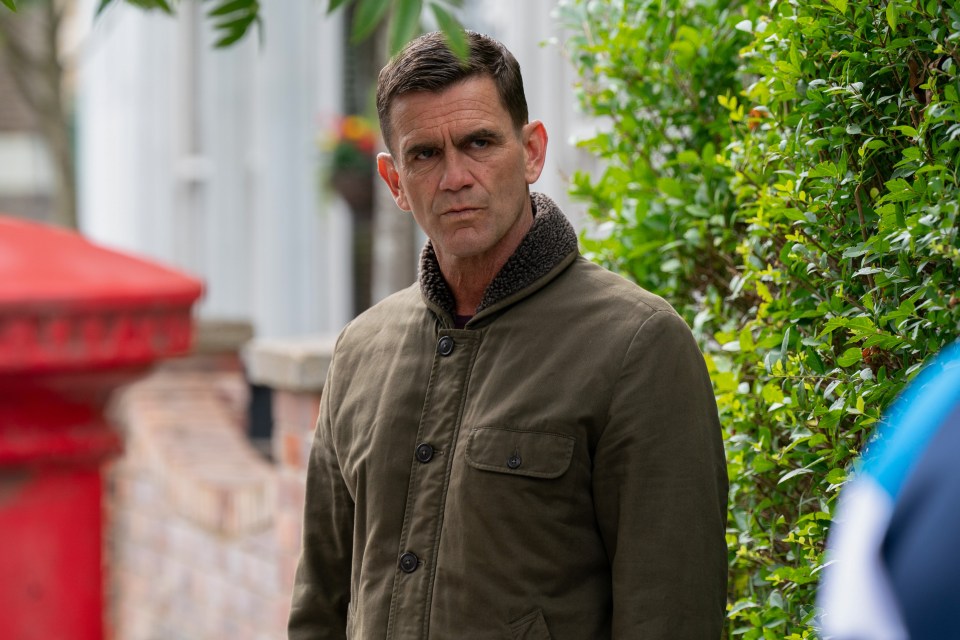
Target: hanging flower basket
{"x":356,"y":189}
{"x":352,"y":162}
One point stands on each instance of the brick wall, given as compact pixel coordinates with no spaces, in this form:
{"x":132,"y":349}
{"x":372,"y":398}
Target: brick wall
{"x":294,"y":416}
{"x":204,"y":533}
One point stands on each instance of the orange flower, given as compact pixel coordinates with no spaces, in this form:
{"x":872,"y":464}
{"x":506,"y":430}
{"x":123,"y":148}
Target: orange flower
{"x":358,"y":131}
{"x":350,"y":144}
{"x":756,"y":116}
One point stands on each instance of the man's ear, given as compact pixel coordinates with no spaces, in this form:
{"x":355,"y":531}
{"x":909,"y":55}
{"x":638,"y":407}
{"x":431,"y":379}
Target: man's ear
{"x":388,"y":171}
{"x":534,"y":139}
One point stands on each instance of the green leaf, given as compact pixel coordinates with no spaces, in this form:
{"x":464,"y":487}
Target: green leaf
{"x":899,"y":196}
{"x":912,"y":153}
{"x":900,"y":191}
{"x":836,"y":476}
{"x":892,"y":15}
{"x":235,"y":30}
{"x":452,"y":29}
{"x":839,"y":5}
{"x":763,"y":291}
{"x":856,"y":250}
{"x":793,"y":474}
{"x":368,"y":15}
{"x":333,"y":5}
{"x":939,"y":168}
{"x":685,"y":51}
{"x":740,"y":606}
{"x":906,"y":130}
{"x":146,"y":5}
{"x":671,"y":266}
{"x":10,"y":4}
{"x":824,"y":170}
{"x":230,"y":38}
{"x":670,"y":187}
{"x":875,"y":144}
{"x":404,"y":23}
{"x":232,"y":6}
{"x":883,"y":341}
{"x":850,"y":357}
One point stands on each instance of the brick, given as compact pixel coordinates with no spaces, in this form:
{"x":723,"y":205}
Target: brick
{"x":265,"y":576}
{"x":295,"y":411}
{"x":263,"y":541}
{"x":172,"y":577}
{"x":233,"y":563}
{"x":287,"y":571}
{"x":177,"y":536}
{"x":289,"y":532}
{"x":135,"y":624}
{"x":281,"y":613}
{"x":291,"y":451}
{"x":307,"y":440}
{"x":292,"y":490}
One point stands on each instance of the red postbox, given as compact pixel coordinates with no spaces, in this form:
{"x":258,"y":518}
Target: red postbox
{"x":76,"y":321}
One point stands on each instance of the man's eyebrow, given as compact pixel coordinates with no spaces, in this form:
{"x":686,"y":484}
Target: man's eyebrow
{"x":416,"y":147}
{"x":479,"y":134}
{"x":482,"y":133}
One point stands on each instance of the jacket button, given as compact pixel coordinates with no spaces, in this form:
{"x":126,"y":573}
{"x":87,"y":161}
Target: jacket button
{"x":424,"y":452}
{"x":409,"y":562}
{"x":514,"y":461}
{"x":445,"y":346}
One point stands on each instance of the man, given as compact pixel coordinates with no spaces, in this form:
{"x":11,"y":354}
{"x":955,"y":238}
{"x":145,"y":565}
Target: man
{"x":522,"y":445}
{"x":894,"y":564}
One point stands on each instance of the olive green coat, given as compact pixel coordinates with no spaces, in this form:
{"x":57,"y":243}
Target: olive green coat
{"x":553,"y":470}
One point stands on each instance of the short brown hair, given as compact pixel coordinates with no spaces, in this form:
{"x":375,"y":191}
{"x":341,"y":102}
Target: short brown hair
{"x":428,"y":64}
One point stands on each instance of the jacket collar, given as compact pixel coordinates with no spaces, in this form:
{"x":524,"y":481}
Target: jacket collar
{"x":550,"y":242}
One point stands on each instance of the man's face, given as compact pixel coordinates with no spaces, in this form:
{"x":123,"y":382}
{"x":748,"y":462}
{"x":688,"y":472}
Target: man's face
{"x":462,"y":169}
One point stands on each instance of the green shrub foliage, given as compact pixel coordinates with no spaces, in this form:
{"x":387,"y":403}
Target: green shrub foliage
{"x":785,"y":174}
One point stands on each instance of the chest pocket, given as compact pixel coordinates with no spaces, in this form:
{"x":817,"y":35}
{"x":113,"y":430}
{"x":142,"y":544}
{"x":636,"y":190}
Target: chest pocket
{"x":534,"y":454}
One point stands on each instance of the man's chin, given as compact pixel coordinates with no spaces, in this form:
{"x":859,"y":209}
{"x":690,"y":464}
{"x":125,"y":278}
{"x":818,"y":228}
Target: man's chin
{"x":468,"y":246}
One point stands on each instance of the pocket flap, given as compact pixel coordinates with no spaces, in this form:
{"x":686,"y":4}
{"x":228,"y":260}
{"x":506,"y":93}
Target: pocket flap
{"x":530,"y":627}
{"x":536,"y":454}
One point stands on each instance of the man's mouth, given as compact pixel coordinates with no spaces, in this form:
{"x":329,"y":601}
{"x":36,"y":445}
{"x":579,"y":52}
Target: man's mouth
{"x":456,"y":210}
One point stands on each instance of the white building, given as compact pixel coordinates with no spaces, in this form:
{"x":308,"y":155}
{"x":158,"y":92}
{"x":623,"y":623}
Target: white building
{"x":208,"y":160}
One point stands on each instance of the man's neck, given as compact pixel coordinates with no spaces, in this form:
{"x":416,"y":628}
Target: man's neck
{"x":468,"y":278}
{"x":468,"y":283}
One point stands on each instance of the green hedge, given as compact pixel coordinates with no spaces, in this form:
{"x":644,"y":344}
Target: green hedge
{"x":785,"y":174}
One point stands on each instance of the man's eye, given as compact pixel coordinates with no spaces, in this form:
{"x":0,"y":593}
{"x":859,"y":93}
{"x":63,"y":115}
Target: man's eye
{"x":480,"y":144}
{"x":426,"y":154}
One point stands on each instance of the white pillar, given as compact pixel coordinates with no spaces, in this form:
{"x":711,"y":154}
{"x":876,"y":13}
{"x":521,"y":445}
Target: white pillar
{"x":300,"y":281}
{"x":207,"y":159}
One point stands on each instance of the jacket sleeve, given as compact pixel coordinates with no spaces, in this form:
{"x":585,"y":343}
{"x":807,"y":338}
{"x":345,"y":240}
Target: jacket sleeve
{"x":660,"y":490}
{"x":321,"y":591}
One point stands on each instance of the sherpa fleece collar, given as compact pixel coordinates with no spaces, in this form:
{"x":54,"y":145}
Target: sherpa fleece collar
{"x":549,"y":241}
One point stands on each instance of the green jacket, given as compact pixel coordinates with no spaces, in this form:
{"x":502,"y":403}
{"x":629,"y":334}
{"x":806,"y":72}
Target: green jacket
{"x":553,"y":470}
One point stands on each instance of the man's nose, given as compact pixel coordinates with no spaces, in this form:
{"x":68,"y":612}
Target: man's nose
{"x":456,"y":172}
